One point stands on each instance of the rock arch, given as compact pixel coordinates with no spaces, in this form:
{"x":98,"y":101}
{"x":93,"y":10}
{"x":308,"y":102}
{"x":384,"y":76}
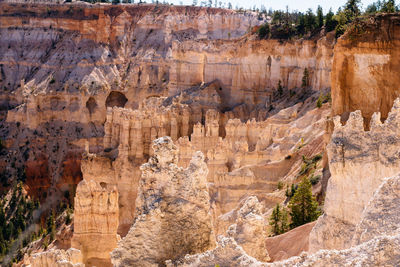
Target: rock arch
{"x":116,"y":99}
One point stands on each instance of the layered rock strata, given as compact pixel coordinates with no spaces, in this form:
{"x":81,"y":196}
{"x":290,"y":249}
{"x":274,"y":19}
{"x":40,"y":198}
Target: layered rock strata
{"x":173,"y":215}
{"x":95,"y":222}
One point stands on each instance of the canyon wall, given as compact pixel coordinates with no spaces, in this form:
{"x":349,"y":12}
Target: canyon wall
{"x":62,"y":66}
{"x":365,"y":70}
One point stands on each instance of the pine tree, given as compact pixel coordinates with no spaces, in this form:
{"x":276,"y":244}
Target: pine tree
{"x":274,"y":220}
{"x":330,"y":23}
{"x":303,"y":206}
{"x":352,"y":9}
{"x":320,"y":17}
{"x":310,"y":20}
{"x":51,"y":226}
{"x":301,"y":24}
{"x":388,"y":6}
{"x":279,"y":220}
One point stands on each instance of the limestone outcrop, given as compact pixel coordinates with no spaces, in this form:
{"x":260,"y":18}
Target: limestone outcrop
{"x":95,"y":222}
{"x":359,"y":161}
{"x":62,"y":66}
{"x":173,"y":215}
{"x":57,"y":258}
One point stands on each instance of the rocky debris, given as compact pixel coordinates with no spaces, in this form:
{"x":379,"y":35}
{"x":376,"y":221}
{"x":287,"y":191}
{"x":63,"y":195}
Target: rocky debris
{"x":380,"y":251}
{"x":172,"y":211}
{"x":358,"y":161}
{"x":56,"y":258}
{"x":95,"y":222}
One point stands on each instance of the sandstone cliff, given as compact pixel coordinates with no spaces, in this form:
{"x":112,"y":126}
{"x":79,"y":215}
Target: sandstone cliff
{"x":365,"y":70}
{"x":173,"y":215}
{"x":359,"y":161}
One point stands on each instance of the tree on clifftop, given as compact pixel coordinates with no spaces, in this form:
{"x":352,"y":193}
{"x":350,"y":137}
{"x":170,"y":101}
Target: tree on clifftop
{"x":303,"y":206}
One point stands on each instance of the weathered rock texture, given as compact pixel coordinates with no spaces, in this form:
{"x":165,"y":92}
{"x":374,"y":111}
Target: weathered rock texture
{"x":381,"y":215}
{"x":359,"y":161}
{"x":57,"y":258}
{"x":365,"y":70}
{"x":289,"y":244}
{"x":250,"y":229}
{"x":95,"y":222}
{"x":380,"y":251}
{"x":173,"y":215}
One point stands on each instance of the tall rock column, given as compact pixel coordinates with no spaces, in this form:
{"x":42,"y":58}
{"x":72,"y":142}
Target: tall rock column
{"x":95,"y":222}
{"x":172,"y":211}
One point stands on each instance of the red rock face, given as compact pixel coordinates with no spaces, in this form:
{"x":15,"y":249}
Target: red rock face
{"x":72,"y":174}
{"x":366,"y":70}
{"x":37,"y":177}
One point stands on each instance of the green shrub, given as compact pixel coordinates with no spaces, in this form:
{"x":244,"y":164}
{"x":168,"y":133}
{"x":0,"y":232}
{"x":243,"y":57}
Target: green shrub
{"x":263,"y":31}
{"x":280,"y":185}
{"x":315,"y":179}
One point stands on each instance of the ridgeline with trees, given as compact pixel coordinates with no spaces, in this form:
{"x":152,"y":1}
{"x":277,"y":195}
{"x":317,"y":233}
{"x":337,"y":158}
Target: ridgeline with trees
{"x":287,"y":25}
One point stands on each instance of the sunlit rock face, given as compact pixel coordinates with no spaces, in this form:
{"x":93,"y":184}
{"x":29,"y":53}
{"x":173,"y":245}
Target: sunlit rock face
{"x":95,"y":222}
{"x":173,"y":215}
{"x":359,"y":161}
{"x":365,"y":70}
{"x":56,"y":258}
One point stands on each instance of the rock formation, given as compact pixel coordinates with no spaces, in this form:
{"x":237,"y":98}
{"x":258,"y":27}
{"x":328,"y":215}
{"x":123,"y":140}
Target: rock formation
{"x":376,"y":243}
{"x":365,"y":70}
{"x":57,"y":258}
{"x":95,"y":222}
{"x":359,"y":161}
{"x":172,"y":211}
{"x":250,"y":229}
{"x":62,"y":66}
